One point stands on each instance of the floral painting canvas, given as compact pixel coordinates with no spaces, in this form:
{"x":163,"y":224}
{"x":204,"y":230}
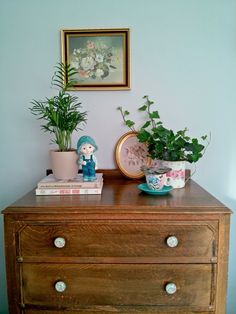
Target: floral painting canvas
{"x":131,"y":155}
{"x":100,"y":57}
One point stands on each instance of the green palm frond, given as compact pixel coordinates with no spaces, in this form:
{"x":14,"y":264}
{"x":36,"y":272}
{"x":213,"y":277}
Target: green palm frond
{"x":63,"y":76}
{"x":62,"y":113}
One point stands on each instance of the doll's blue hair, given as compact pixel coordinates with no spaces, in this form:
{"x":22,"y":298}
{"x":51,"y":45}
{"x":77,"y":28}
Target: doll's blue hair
{"x":86,"y":140}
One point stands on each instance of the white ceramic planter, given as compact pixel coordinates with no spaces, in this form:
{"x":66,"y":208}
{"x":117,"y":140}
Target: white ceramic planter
{"x":64,"y":164}
{"x":177,"y":174}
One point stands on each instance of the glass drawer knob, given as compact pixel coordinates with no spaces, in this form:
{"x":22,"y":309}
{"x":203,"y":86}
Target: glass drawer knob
{"x":171,"y":288}
{"x":172,"y":241}
{"x":59,"y":242}
{"x":60,"y":286}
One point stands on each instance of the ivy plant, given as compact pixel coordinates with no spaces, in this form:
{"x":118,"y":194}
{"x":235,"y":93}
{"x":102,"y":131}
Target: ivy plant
{"x":62,"y":113}
{"x":163,"y":143}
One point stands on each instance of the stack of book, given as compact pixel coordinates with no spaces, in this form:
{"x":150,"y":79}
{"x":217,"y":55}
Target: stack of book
{"x":52,"y":186}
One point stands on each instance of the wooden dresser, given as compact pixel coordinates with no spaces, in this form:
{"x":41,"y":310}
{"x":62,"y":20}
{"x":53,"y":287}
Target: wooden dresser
{"x":119,"y":252}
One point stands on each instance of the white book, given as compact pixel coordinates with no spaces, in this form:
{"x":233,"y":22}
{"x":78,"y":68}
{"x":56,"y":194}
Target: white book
{"x":68,"y":191}
{"x":51,"y":182}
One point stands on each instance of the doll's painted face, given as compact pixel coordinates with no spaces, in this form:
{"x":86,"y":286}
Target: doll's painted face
{"x":87,"y":149}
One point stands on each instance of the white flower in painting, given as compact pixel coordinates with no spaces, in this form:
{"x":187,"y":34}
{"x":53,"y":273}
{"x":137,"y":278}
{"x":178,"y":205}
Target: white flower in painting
{"x":99,"y":58}
{"x":87,"y":63}
{"x":99,"y":73}
{"x":76,"y":51}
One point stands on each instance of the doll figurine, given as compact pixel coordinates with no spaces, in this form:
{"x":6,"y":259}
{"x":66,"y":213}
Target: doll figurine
{"x":86,"y":146}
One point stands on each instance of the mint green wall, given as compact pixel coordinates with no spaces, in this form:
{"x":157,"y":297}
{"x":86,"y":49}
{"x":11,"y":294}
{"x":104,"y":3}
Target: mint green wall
{"x":183,"y":57}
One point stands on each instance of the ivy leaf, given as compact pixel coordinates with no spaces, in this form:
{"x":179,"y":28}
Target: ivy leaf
{"x":146,"y":125}
{"x":143,"y":108}
{"x":143,"y":136}
{"x":150,"y":102}
{"x":154,"y":115}
{"x":180,"y":142}
{"x":188,"y":147}
{"x":182,"y":132}
{"x":129,"y":123}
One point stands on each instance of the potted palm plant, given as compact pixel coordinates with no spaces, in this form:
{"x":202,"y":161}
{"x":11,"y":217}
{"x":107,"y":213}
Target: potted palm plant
{"x":62,"y":116}
{"x":166,"y":147}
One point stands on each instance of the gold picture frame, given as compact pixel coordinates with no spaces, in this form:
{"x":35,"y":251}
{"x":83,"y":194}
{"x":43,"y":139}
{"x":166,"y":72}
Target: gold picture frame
{"x":131,"y":155}
{"x":101,"y":57}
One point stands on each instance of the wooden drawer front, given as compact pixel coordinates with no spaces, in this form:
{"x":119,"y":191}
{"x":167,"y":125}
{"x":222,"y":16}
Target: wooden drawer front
{"x":117,"y":284}
{"x":119,"y":239}
{"x":115,"y":310}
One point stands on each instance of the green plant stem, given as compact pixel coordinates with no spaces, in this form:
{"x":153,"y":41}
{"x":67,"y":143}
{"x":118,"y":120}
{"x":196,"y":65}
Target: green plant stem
{"x":149,"y":114}
{"x":124,"y":114}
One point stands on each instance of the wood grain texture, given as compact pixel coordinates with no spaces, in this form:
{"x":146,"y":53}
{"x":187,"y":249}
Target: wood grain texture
{"x":116,"y":259}
{"x":117,"y":310}
{"x":120,"y":239}
{"x":119,"y":284}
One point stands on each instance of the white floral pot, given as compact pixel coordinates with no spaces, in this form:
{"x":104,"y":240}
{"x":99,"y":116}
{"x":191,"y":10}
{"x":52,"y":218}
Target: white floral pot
{"x":177,"y":174}
{"x":64,"y":164}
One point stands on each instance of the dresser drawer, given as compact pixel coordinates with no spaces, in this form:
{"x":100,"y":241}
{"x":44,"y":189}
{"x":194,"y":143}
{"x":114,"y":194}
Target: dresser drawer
{"x":101,"y":310}
{"x":119,"y":239}
{"x":75,"y":285}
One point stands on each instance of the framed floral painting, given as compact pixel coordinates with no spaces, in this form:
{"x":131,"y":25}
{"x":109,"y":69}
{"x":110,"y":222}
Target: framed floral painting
{"x":100,"y":56}
{"x":131,"y":155}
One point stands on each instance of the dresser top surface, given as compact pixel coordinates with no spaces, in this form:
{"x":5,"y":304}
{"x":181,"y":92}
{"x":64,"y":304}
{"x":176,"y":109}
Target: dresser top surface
{"x":122,"y":195}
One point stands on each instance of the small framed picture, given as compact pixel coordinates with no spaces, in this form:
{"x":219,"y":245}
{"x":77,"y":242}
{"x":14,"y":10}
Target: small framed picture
{"x":131,"y":155}
{"x":100,"y":56}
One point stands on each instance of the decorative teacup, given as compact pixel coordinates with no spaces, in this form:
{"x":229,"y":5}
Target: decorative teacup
{"x":156,"y":177}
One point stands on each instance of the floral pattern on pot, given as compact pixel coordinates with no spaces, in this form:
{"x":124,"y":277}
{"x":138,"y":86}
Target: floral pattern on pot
{"x":177,"y":174}
{"x":156,"y":177}
{"x":157,"y":181}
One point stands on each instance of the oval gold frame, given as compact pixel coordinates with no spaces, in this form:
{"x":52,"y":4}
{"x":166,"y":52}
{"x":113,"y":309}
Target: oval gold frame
{"x":119,"y":145}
